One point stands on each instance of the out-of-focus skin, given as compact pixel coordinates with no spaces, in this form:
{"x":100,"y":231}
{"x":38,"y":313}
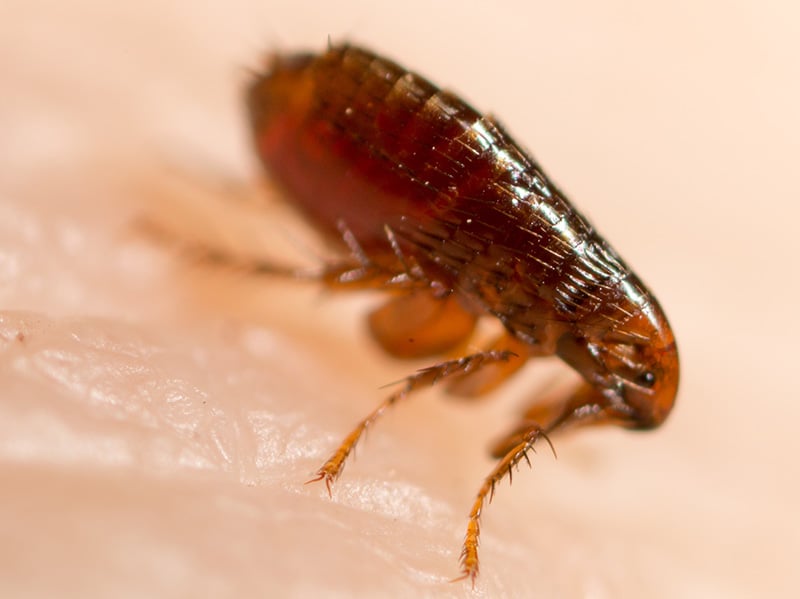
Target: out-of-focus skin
{"x":157,"y":421}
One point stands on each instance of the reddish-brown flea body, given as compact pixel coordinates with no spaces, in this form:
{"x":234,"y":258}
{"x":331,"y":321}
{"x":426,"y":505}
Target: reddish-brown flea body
{"x":438,"y":206}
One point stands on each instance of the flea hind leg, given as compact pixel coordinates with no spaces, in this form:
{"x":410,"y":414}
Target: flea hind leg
{"x":344,"y":274}
{"x":424,"y":378}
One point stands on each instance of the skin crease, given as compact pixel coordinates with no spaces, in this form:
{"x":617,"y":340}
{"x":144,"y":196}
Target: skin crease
{"x":158,"y":419}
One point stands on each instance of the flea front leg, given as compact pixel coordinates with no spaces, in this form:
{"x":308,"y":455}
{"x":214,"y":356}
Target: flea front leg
{"x":469,"y":552}
{"x":585,"y":406}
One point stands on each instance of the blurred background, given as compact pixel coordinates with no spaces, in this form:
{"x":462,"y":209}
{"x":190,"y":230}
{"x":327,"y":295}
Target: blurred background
{"x":158,"y":419}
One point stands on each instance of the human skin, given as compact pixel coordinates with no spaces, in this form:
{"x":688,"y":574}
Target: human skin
{"x":159,"y":417}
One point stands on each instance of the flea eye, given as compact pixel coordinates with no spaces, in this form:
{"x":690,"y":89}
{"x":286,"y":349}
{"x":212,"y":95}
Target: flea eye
{"x":646,"y":379}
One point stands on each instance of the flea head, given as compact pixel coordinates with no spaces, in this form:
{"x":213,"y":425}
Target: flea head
{"x":648,"y":385}
{"x":633,"y":370}
{"x":639,"y":368}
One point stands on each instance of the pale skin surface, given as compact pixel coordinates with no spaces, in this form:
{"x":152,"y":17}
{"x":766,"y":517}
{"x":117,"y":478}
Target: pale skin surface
{"x":158,"y":419}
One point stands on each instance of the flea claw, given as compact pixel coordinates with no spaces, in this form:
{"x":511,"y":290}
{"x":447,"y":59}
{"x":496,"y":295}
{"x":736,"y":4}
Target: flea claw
{"x":466,"y":573}
{"x":322,"y":474}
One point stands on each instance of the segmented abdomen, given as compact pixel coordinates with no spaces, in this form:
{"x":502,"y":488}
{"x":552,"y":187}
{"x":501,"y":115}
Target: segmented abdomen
{"x":358,"y":140}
